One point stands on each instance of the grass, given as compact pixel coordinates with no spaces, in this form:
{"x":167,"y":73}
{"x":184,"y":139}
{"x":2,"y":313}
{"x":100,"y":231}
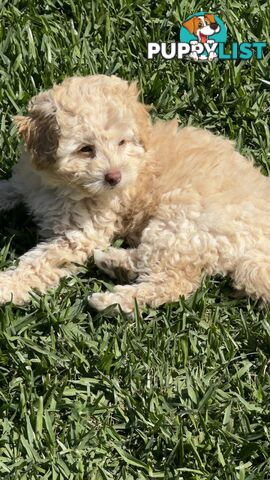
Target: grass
{"x":184,"y":392}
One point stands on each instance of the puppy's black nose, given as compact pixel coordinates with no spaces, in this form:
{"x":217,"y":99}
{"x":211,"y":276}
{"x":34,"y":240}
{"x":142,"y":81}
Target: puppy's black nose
{"x":214,"y":26}
{"x":113,"y":177}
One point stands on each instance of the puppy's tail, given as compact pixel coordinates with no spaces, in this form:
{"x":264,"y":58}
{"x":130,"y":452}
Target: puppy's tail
{"x":9,"y":196}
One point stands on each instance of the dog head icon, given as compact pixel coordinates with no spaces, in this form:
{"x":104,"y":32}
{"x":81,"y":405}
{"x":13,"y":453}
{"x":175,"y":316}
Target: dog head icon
{"x":202,"y":26}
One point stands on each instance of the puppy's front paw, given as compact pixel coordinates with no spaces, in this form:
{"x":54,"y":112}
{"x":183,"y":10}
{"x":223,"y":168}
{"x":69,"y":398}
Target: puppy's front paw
{"x":5,"y":295}
{"x":194,"y":56}
{"x":116,"y":263}
{"x":104,"y":261}
{"x":212,"y":56}
{"x":11,"y":289}
{"x":100,"y":301}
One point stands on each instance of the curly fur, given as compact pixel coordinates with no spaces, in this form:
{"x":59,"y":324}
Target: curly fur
{"x":188,"y":203}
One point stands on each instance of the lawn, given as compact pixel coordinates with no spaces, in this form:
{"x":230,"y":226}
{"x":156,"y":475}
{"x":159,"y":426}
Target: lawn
{"x":181,"y":392}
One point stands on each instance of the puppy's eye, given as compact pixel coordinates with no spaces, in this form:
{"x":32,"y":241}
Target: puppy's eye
{"x":122,"y":143}
{"x":200,"y":25}
{"x":89,"y":149}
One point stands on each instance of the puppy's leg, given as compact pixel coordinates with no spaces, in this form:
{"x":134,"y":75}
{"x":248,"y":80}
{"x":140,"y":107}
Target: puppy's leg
{"x":169,"y":262}
{"x":116,"y":263}
{"x":162,"y":278}
{"x":252,"y":274}
{"x":152,"y":291}
{"x":9,"y":197}
{"x":43,"y":266}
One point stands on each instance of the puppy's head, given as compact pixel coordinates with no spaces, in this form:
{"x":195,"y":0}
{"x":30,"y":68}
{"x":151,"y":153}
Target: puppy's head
{"x":89,"y":133}
{"x":203,"y":25}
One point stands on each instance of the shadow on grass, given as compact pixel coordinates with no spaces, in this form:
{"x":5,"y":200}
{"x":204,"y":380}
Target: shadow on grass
{"x":18,"y":228}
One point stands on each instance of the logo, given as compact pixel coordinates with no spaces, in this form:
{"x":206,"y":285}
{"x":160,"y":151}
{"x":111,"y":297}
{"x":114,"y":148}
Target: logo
{"x":203,"y":37}
{"x":203,"y":31}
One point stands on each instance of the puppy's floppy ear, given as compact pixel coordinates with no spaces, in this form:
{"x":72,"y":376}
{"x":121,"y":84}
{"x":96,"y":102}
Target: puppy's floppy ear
{"x":40,"y":130}
{"x":191,"y":25}
{"x":142,"y":115}
{"x":210,"y":17}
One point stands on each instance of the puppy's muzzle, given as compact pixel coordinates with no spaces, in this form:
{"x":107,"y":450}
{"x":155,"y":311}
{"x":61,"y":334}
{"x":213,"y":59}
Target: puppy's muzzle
{"x":113,"y":177}
{"x":214,"y":26}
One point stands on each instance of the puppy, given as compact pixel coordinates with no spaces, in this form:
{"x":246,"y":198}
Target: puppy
{"x":202,"y":27}
{"x":96,"y":168}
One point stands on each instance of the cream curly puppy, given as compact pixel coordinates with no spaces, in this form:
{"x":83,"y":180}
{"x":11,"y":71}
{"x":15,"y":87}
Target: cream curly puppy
{"x":96,"y":168}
